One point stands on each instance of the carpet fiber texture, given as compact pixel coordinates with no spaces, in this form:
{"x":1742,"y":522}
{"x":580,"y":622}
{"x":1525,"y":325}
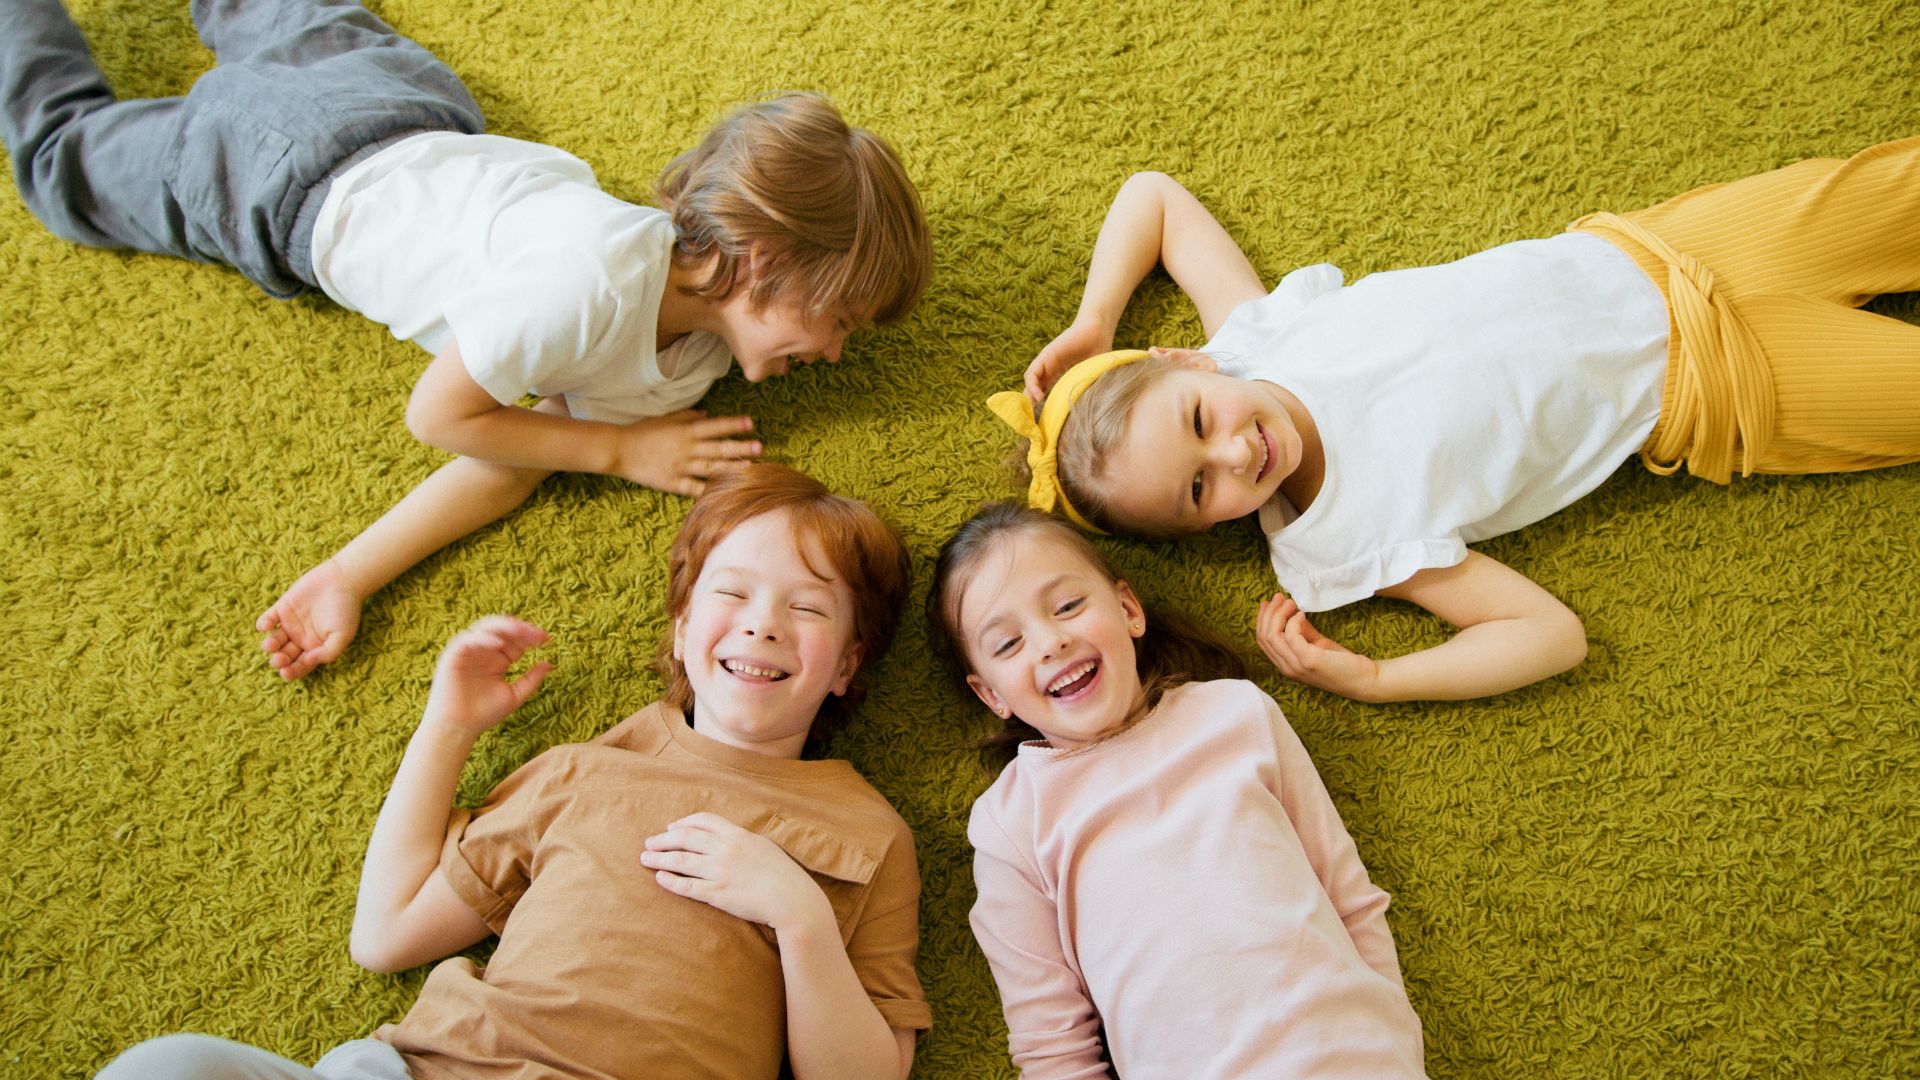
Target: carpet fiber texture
{"x":1696,"y":855}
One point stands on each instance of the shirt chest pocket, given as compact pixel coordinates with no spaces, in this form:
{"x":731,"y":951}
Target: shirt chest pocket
{"x":844,"y":871}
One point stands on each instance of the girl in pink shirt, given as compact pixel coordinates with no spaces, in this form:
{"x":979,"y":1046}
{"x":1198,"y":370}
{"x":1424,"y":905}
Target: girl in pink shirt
{"x":1165,"y":888}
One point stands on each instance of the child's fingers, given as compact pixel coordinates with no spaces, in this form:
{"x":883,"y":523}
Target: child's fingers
{"x":721,"y":426}
{"x":681,"y":837}
{"x":719,"y":450}
{"x":528,"y":684}
{"x":705,"y":821}
{"x":498,"y":631}
{"x":682,"y":863}
{"x":692,"y":888}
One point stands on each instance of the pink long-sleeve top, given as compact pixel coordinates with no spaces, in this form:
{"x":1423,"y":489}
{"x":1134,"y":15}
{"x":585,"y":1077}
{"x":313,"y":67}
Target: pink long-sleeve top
{"x":1181,"y":900}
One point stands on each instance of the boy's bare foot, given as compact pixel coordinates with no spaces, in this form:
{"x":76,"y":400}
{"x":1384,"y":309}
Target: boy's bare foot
{"x":312,"y":621}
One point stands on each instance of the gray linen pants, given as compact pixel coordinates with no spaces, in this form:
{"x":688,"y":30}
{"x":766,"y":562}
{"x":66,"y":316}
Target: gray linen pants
{"x":300,"y":89}
{"x":204,"y":1057}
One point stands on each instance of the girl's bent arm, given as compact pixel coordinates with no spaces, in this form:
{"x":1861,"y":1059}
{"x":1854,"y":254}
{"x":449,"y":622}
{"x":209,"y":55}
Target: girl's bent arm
{"x":1512,"y":633}
{"x":1153,"y":221}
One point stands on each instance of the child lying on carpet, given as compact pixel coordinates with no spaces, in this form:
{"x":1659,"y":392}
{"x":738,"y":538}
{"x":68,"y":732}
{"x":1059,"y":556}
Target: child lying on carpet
{"x":1378,"y":429}
{"x":326,"y":151}
{"x":682,"y":896}
{"x":1165,"y":888}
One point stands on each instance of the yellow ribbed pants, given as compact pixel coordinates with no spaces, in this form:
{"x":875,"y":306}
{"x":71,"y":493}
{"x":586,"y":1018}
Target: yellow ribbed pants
{"x":1770,"y":366}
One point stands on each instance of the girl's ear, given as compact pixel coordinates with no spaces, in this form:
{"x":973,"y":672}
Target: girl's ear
{"x":679,"y":639}
{"x":1136,"y":611}
{"x":987,"y":697}
{"x":849,"y":667}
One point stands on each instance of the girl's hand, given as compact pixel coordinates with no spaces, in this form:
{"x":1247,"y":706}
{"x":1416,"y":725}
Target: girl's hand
{"x":707,"y":858}
{"x":1304,"y":654}
{"x":1086,"y":337}
{"x":471,"y":692}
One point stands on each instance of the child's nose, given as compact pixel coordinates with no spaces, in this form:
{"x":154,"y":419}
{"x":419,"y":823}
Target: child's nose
{"x":1234,"y":453}
{"x":832,"y":351}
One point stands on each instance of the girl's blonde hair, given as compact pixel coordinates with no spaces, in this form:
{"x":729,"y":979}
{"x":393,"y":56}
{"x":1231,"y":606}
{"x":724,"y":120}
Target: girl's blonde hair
{"x":825,"y":210}
{"x":1174,"y":649}
{"x":860,"y":550}
{"x":1095,"y":427}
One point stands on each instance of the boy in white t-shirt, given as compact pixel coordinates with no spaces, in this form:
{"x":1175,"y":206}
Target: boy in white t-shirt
{"x":324,"y":150}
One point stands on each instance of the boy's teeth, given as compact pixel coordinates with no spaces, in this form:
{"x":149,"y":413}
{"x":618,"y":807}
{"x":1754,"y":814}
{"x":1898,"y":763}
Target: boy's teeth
{"x":1068,"y":678}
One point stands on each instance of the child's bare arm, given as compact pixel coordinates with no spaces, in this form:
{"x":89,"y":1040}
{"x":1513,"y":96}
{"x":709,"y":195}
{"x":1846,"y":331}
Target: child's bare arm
{"x":314,"y":620}
{"x":833,"y":1027}
{"x":674,"y":453}
{"x":407,"y":913}
{"x":1512,"y":633}
{"x":1153,"y":221}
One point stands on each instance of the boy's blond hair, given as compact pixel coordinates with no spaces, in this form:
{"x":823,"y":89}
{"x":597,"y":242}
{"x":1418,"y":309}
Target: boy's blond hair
{"x":825,"y":210}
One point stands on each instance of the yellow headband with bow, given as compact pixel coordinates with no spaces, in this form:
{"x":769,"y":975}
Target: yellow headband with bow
{"x":1043,"y":435}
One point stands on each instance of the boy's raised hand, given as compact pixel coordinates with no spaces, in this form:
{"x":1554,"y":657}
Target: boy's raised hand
{"x":1304,"y":654}
{"x":679,"y":452}
{"x":311,"y":622}
{"x":471,"y":692}
{"x":707,"y":858}
{"x":1086,"y":337}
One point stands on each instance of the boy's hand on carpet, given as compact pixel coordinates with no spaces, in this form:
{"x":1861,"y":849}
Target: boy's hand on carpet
{"x":679,"y":452}
{"x":1304,"y":654}
{"x":707,"y":858}
{"x":471,"y":691}
{"x":1086,"y":337}
{"x":312,"y":622}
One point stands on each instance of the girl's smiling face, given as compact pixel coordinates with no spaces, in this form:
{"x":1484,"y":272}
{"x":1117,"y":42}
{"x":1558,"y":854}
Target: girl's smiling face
{"x":1049,"y":638}
{"x":765,"y":638}
{"x":1200,"y":448}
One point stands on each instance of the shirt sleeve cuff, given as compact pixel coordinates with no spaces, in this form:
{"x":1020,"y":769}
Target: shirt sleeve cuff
{"x":467,"y":885}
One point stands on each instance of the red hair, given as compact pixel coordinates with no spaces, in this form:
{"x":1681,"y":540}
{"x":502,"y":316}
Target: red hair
{"x":860,"y":549}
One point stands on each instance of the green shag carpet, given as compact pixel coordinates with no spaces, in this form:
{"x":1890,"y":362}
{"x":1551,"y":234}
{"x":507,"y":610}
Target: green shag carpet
{"x":1696,"y":855}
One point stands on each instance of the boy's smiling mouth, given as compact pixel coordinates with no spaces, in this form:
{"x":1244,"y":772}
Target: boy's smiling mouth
{"x":752,"y":672}
{"x":1266,"y":452}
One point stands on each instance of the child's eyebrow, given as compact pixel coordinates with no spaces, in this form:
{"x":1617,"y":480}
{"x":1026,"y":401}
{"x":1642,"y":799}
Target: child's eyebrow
{"x":1180,"y":491}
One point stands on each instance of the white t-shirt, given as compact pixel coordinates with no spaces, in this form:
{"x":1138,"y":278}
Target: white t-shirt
{"x":1454,"y":402}
{"x":550,"y":285}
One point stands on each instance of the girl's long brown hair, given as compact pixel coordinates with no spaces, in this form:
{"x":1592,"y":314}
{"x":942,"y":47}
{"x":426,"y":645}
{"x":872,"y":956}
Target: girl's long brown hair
{"x":1174,"y":649}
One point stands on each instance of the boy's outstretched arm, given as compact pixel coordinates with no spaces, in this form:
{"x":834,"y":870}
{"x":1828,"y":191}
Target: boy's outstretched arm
{"x":674,"y":453}
{"x":319,"y":614}
{"x":833,"y":1027}
{"x":407,"y":913}
{"x":1512,"y":633}
{"x":1153,"y":221}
